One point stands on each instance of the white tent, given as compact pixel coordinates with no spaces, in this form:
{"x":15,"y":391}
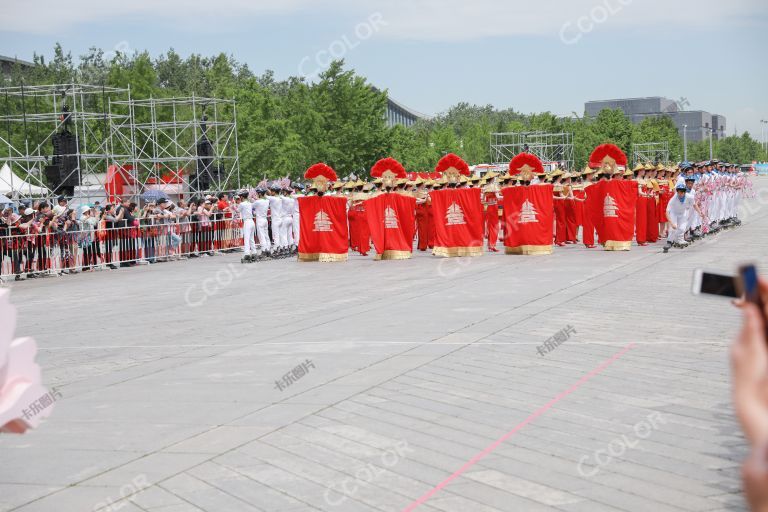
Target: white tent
{"x":13,"y":186}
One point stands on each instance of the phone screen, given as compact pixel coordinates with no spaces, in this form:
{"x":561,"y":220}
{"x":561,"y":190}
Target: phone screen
{"x":718,"y":284}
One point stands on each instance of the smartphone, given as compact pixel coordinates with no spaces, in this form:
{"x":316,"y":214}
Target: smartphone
{"x":748,"y":285}
{"x":712,"y":283}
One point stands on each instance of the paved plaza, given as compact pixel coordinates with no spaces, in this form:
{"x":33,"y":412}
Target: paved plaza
{"x":425,"y":384}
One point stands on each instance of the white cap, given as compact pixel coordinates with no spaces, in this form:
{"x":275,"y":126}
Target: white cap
{"x":29,"y":211}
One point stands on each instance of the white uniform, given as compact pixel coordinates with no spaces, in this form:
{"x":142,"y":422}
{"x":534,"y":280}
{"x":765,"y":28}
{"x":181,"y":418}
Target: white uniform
{"x":296,"y":218}
{"x":679,"y":214}
{"x":276,"y":212}
{"x":245,"y":210}
{"x":260,"y":209}
{"x":287,"y":224}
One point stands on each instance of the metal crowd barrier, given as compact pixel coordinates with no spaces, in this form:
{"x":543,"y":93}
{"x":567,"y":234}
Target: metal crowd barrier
{"x":55,"y":252}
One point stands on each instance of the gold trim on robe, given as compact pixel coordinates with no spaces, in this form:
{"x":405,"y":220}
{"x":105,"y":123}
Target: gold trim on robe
{"x":615,"y":245}
{"x":453,"y":252}
{"x":323,"y":257}
{"x":529,"y":250}
{"x":394,"y":255}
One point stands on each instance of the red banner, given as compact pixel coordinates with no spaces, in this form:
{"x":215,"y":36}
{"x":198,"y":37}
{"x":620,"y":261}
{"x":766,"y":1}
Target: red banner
{"x":528,"y":215}
{"x":458,"y":218}
{"x":392,"y":221}
{"x":323,"y":228}
{"x":612,"y":205}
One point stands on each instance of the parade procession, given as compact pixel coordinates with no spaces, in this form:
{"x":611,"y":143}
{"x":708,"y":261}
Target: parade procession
{"x":456,"y":214}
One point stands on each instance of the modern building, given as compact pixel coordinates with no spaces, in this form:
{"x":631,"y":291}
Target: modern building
{"x":402,"y":115}
{"x":7,"y":64}
{"x":696,"y":124}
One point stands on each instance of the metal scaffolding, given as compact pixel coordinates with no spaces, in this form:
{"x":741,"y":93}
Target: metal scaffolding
{"x":650,"y":152}
{"x":553,"y":149}
{"x":75,"y":117}
{"x":189,"y":140}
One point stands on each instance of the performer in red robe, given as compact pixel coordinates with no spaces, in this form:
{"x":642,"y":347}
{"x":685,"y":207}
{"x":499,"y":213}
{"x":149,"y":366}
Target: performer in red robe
{"x":528,"y":209}
{"x":491,"y":201}
{"x":323,"y":220}
{"x":457,"y":212}
{"x":391,"y":215}
{"x":641,"y":209}
{"x":613,"y":202}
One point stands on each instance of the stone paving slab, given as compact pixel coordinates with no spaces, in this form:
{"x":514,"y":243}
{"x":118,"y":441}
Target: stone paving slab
{"x":169,"y":401}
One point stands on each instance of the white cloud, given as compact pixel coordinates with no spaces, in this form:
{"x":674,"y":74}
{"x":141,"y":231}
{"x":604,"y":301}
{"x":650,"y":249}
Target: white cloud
{"x":431,"y":20}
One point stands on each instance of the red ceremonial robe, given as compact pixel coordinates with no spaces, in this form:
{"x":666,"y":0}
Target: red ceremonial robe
{"x":457,"y":215}
{"x":528,"y":216}
{"x":323,"y":228}
{"x":391,"y":218}
{"x":613,"y":204}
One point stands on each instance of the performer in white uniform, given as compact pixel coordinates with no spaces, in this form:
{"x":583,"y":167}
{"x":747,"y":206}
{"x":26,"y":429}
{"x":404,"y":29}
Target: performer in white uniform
{"x":287,"y":223}
{"x":260,"y":209}
{"x":298,"y":189}
{"x":245,"y":210}
{"x":276,"y":214}
{"x":679,"y":210}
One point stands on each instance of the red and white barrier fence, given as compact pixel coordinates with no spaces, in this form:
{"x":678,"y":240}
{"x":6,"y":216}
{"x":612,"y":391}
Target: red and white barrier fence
{"x":56,"y":251}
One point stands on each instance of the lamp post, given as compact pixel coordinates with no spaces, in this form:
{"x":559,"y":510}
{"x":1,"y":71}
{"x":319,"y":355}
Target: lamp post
{"x":710,"y":143}
{"x":764,"y":132}
{"x":685,"y":143}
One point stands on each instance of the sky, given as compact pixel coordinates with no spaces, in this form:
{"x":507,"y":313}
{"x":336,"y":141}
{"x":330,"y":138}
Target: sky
{"x":533,"y":56}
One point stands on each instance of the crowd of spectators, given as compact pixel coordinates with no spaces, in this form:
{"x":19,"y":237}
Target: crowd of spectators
{"x":40,"y":238}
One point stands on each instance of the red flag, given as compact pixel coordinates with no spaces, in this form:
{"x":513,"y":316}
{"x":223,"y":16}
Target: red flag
{"x":458,"y":217}
{"x":612,"y":205}
{"x":392,"y":221}
{"x":324,"y":234}
{"x":529,"y":216}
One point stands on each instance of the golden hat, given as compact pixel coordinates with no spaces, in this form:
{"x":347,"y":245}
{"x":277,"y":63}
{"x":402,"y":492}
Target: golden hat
{"x":419,"y":181}
{"x":628,"y":173}
{"x":556,"y":173}
{"x":337,"y":185}
{"x":377,"y":181}
{"x":587,"y":170}
{"x":349,"y":185}
{"x":639,"y":167}
{"x":649,"y":167}
{"x":660,"y":167}
{"x":368,"y":187}
{"x":491,"y":174}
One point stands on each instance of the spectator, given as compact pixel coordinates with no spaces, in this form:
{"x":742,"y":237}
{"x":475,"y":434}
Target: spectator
{"x":107,"y":224}
{"x":749,"y":360}
{"x":68,"y":230}
{"x":88,"y":241}
{"x":61,"y":208}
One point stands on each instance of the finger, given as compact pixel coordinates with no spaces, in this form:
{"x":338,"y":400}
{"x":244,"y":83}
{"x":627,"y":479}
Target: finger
{"x":755,"y":476}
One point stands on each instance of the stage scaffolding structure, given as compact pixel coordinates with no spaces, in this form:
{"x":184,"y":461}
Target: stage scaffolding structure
{"x":63,"y":139}
{"x":553,"y":149}
{"x":650,"y":152}
{"x":192,"y":140}
{"x":76,"y":117}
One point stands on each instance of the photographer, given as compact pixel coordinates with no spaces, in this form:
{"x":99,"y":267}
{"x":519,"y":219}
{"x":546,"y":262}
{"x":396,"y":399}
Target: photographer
{"x":87,"y":239}
{"x":749,"y":361}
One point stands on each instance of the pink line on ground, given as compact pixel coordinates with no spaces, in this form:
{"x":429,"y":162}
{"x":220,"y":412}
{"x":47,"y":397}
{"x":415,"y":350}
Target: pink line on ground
{"x":541,"y":410}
